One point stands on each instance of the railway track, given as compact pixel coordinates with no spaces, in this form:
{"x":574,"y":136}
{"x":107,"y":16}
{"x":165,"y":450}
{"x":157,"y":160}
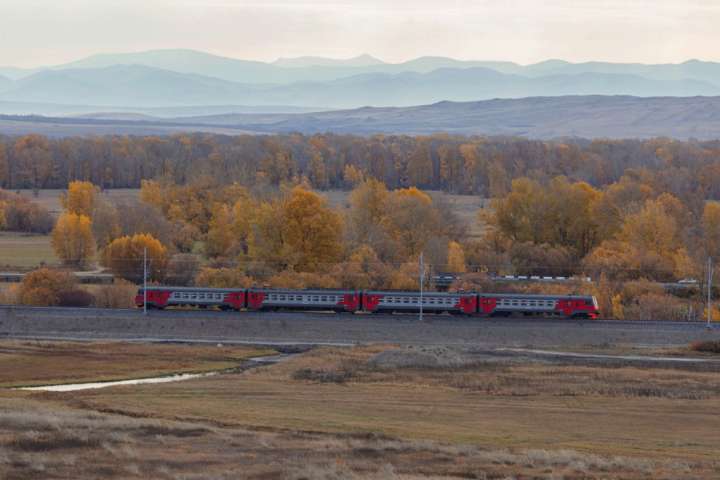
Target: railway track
{"x":321,"y":328}
{"x":400,"y":317}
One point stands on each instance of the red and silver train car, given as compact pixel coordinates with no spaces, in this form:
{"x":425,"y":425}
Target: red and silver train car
{"x":271,"y":299}
{"x":551,"y":305}
{"x":376,"y":301}
{"x":259,"y":299}
{"x":161,"y":297}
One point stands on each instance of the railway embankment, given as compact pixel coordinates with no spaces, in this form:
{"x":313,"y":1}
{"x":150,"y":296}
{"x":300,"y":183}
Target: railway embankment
{"x":325,"y":328}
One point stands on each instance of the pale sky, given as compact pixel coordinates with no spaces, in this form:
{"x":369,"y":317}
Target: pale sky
{"x":46,"y":32}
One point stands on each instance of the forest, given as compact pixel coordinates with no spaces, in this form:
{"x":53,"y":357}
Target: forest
{"x":482,"y":166}
{"x":249,"y":210}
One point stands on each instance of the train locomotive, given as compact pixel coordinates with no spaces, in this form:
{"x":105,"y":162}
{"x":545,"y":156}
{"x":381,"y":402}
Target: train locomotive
{"x":355,"y":301}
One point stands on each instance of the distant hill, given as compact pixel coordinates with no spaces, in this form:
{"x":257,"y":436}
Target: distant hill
{"x":144,"y":87}
{"x":320,"y":69}
{"x":538,"y":117}
{"x":56,"y":109}
{"x":123,"y":85}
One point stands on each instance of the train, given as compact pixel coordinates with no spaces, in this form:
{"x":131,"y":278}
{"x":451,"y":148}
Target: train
{"x":369,"y":301}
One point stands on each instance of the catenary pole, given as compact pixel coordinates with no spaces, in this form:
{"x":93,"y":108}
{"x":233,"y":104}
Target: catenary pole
{"x":709,"y":292}
{"x":422,"y":280}
{"x":145,"y":281}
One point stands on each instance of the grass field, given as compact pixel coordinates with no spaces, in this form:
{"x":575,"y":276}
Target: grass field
{"x":367,"y":412}
{"x":23,"y":252}
{"x":50,"y":198}
{"x":40,"y":363}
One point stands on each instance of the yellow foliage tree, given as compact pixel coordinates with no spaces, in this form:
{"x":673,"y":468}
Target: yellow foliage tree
{"x":124,"y":256}
{"x":223,"y":278}
{"x":220,"y":237}
{"x":711,"y":229}
{"x":312,"y":230}
{"x":411,"y":219}
{"x":80,"y":198}
{"x":72,"y":239}
{"x":362,"y":271}
{"x":456,"y":258}
{"x":300,"y":232}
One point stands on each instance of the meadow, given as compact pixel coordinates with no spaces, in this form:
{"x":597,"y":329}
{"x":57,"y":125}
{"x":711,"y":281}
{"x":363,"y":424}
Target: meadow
{"x":378,"y":411}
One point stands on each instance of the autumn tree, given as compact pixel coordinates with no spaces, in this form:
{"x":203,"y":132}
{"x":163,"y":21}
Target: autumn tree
{"x":648,"y":245}
{"x":80,"y":198}
{"x":411,"y":219}
{"x":362,"y":270}
{"x":45,"y":286}
{"x":456,"y":258}
{"x":711,"y":229}
{"x":561,"y":214}
{"x":312,"y":232}
{"x":368,"y":208}
{"x":124,"y":257}
{"x":72,"y":239}
{"x":34,"y":161}
{"x":223,"y":278}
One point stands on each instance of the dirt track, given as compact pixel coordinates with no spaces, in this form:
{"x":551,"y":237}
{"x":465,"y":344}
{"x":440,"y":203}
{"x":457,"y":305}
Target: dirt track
{"x":345,"y":329}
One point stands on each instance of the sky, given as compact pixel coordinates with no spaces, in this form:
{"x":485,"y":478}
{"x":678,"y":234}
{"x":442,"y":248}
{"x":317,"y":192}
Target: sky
{"x":48,"y":32}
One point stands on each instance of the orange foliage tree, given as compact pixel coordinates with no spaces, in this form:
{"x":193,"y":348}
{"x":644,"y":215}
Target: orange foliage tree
{"x":72,"y":239}
{"x":124,"y":257}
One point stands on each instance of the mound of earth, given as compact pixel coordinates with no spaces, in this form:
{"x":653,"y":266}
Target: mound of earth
{"x":419,"y":357}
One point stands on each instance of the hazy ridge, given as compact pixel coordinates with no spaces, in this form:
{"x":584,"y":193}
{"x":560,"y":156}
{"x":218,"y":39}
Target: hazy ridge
{"x":188,"y":78}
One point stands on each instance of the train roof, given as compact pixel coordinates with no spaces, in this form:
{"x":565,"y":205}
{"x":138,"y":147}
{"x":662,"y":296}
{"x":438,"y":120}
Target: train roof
{"x":313,"y":291}
{"x":192,"y":289}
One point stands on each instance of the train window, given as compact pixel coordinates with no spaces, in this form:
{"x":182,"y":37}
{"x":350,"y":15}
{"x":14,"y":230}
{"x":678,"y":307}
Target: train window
{"x":323,"y":298}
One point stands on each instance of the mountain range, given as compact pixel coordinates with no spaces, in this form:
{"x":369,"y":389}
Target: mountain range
{"x":193,"y":79}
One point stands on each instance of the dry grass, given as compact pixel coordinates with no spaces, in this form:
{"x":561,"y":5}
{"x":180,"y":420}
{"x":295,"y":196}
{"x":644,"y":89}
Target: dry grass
{"x":514,"y":406}
{"x":42,"y":363}
{"x":364,"y":413}
{"x":39,"y":439}
{"x":50,"y":198}
{"x":22,"y":252}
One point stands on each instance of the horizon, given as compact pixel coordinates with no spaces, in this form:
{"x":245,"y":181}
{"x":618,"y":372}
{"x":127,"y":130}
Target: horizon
{"x":346,"y":58}
{"x":41,"y":32}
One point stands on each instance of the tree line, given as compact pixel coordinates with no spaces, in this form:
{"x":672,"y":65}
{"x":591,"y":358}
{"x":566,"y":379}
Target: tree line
{"x":468,"y":165}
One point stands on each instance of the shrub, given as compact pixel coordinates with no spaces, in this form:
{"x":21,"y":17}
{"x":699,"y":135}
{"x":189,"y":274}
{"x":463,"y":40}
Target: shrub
{"x":120,"y":294}
{"x":708,"y":346}
{"x":43,"y":287}
{"x":182,"y":269}
{"x":653,"y":306}
{"x":222,"y":278}
{"x":322,"y":376}
{"x":75,"y":298}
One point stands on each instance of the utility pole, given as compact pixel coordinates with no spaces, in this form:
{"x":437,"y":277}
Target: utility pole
{"x":422,"y":283}
{"x":145,"y":281}
{"x":709,"y":291}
